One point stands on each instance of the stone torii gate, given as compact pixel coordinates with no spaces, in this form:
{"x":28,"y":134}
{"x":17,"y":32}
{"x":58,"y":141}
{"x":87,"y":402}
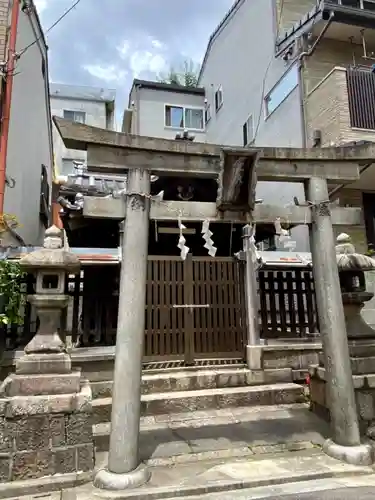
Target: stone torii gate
{"x":235,"y":169}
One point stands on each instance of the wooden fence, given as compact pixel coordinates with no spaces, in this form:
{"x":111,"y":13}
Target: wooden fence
{"x":195,"y":309}
{"x":287,"y":303}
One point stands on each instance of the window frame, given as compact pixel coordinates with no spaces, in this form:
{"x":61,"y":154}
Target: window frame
{"x":45,"y":205}
{"x":207,"y":113}
{"x":74,"y":111}
{"x":218,"y":105}
{"x":245,"y":131}
{"x":293,"y":68}
{"x":184,"y":108}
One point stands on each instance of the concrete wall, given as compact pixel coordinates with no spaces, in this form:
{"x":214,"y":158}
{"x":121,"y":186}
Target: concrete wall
{"x":327,"y":109}
{"x":149,"y":112}
{"x":30,"y":135}
{"x":328,"y":54}
{"x":240,"y":59}
{"x":96,"y":115}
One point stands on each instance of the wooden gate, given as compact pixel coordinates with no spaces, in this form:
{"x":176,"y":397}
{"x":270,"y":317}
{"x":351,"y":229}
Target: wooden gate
{"x":194,"y":309}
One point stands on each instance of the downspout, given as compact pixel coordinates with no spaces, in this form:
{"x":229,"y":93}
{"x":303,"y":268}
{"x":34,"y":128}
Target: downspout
{"x":301,"y":57}
{"x":10,"y":67}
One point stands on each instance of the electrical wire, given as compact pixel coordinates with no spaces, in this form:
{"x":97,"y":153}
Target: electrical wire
{"x":22,"y":51}
{"x":267,"y":70}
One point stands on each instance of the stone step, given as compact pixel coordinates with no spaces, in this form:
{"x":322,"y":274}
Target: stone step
{"x":206,"y":399}
{"x":210,"y":423}
{"x":189,"y":380}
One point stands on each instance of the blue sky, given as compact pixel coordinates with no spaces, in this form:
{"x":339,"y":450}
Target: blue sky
{"x":107,"y":43}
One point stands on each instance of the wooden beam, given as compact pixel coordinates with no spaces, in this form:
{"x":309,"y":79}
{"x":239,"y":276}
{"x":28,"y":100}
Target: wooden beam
{"x":79,"y":136}
{"x":300,"y":171}
{"x":110,"y":208}
{"x":119,"y":160}
{"x":275,"y":164}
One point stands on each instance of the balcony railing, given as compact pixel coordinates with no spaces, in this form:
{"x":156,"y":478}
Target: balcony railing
{"x":342,"y":106}
{"x":355,"y":4}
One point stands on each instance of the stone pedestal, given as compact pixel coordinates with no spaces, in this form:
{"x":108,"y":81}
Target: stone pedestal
{"x":46,"y":434}
{"x":362,"y":360}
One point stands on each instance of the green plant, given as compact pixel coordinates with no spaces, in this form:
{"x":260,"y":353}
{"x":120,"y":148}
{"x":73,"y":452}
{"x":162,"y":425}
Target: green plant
{"x":186,"y":76}
{"x":12,"y":298}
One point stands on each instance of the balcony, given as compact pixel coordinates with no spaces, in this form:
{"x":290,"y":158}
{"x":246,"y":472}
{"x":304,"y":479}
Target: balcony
{"x":353,"y":20}
{"x":342,"y":107}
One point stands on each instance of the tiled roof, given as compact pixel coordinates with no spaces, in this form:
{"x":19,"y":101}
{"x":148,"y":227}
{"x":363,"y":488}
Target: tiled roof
{"x":82,"y":92}
{"x":93,"y":184}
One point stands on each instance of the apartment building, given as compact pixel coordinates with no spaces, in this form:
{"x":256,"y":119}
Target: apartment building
{"x":295,"y":73}
{"x":87,"y":105}
{"x":26,"y":149}
{"x":165,"y":110}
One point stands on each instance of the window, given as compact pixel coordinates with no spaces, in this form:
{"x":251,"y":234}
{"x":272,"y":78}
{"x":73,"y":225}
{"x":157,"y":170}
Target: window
{"x":44,"y":210}
{"x":281,"y":90}
{"x":218,"y":98}
{"x":181,"y":117}
{"x":75,"y":116}
{"x":248,"y":131}
{"x":67,"y":167}
{"x":207,"y":113}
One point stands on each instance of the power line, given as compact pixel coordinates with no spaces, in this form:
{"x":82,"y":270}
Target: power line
{"x":267,"y":70}
{"x":21,"y":52}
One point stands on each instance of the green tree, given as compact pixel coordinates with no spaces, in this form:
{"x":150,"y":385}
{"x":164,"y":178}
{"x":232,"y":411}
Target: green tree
{"x":186,"y":76}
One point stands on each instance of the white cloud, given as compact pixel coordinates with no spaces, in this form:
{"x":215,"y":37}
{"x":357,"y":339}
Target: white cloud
{"x":157,"y":44}
{"x":109,"y":73}
{"x":144,"y":60}
{"x":40,"y":5}
{"x":123,"y":49}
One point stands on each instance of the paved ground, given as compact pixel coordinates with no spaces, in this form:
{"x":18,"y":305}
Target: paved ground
{"x":350,"y":488}
{"x":224,"y":434}
{"x":344,"y":494}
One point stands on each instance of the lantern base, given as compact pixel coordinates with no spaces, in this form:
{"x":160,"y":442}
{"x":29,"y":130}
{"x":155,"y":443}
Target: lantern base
{"x":44,"y":363}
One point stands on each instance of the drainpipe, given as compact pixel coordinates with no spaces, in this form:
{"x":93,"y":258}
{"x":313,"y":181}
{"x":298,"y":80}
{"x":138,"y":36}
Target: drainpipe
{"x":301,"y":57}
{"x":10,"y":67}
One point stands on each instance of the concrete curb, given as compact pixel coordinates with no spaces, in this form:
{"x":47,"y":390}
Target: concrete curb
{"x":44,"y":485}
{"x":219,"y":486}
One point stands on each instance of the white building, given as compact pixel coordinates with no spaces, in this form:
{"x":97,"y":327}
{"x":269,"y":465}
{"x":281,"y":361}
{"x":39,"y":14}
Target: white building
{"x":29,"y":149}
{"x":88,"y":105}
{"x":165,"y":110}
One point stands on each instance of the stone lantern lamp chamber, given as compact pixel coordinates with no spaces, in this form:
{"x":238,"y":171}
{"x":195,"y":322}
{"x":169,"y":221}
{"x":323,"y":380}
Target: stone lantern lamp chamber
{"x":352,"y":267}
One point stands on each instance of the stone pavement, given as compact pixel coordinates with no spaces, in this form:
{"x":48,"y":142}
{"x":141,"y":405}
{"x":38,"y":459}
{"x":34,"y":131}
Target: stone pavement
{"x":223,"y":434}
{"x":228,"y":451}
{"x":215,"y":476}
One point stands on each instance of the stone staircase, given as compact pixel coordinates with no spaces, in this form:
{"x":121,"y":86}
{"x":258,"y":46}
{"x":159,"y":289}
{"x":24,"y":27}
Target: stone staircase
{"x":187,"y":390}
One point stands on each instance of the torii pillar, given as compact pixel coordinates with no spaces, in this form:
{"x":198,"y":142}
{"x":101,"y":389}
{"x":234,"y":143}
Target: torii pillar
{"x":124,"y":468}
{"x":346,"y":442}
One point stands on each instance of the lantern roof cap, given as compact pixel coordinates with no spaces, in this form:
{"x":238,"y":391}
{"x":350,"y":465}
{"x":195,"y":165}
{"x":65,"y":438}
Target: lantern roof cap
{"x":53,"y":255}
{"x":348,"y":259}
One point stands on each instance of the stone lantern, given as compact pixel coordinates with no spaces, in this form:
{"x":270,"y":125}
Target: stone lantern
{"x":352,"y":267}
{"x":45,"y":406}
{"x":51,"y":266}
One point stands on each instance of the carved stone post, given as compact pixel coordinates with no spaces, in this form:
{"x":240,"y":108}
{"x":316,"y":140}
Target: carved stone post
{"x":45,"y":407}
{"x":124,"y":468}
{"x":253,"y":348}
{"x":346,"y":444}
